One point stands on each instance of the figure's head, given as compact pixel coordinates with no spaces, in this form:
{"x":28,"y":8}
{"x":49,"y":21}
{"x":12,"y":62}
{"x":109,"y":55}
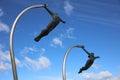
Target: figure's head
{"x":92,"y":53}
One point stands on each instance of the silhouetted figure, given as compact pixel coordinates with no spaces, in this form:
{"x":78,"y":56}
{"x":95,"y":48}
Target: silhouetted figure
{"x":89,"y":62}
{"x":51,"y":25}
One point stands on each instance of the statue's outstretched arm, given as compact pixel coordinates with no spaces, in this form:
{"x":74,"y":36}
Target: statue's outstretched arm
{"x":86,"y":51}
{"x":49,"y":11}
{"x":96,"y":57}
{"x":54,"y":15}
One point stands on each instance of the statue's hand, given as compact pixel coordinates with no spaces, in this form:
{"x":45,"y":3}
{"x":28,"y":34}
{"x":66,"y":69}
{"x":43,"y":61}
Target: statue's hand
{"x":45,"y":5}
{"x":97,"y":56}
{"x":82,"y":46}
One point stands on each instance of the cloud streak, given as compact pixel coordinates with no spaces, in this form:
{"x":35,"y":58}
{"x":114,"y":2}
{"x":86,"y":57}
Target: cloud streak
{"x":41,"y":63}
{"x":103,"y":75}
{"x":4,"y":27}
{"x":5,"y":62}
{"x":35,"y":64}
{"x":58,"y":41}
{"x":31,"y":50}
{"x":27,"y":50}
{"x":68,"y":7}
{"x":101,"y":12}
{"x":1,"y":12}
{"x":69,"y":33}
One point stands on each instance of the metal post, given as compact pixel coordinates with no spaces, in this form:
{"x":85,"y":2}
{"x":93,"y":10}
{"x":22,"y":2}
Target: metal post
{"x":64,"y":61}
{"x":11,"y":39}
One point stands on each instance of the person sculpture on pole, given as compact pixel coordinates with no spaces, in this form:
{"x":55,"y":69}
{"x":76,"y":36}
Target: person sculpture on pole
{"x":89,"y":62}
{"x":56,"y":20}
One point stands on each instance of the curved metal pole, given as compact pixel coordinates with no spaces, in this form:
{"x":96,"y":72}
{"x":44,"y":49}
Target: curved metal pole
{"x":64,"y":61}
{"x":11,"y":39}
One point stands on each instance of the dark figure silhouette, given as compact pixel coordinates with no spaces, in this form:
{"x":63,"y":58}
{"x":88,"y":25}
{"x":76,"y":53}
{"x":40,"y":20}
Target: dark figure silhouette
{"x":51,"y":25}
{"x":89,"y":62}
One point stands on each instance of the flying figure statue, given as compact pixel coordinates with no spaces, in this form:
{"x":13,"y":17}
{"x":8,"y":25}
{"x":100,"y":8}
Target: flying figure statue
{"x":89,"y":62}
{"x":51,"y":25}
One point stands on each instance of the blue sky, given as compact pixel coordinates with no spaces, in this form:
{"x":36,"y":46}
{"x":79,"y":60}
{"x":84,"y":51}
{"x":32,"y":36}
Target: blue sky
{"x":94,"y":24}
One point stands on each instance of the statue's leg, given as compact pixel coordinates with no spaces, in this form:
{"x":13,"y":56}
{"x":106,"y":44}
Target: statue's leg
{"x":42,"y":34}
{"x":81,"y":69}
{"x":87,"y":65}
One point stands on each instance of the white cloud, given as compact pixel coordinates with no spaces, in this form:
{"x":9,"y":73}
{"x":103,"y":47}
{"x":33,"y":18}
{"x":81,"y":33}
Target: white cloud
{"x":59,"y":40}
{"x":68,"y":7}
{"x":26,"y":50}
{"x":4,"y":55}
{"x":41,"y":63}
{"x":5,"y":62}
{"x":42,"y":51}
{"x":31,"y":50}
{"x":4,"y":66}
{"x":56,"y":41}
{"x":4,"y":27}
{"x":103,"y":75}
{"x":1,"y":46}
{"x":35,"y":64}
{"x":50,"y":78}
{"x":69,"y":33}
{"x":1,"y":12}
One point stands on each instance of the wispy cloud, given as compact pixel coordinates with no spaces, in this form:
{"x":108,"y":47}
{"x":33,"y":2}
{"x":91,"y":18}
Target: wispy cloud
{"x":58,"y":41}
{"x":1,"y":12}
{"x":57,"y":77}
{"x":4,"y":27}
{"x":106,"y":13}
{"x":5,"y":62}
{"x":27,"y":50}
{"x":50,"y":78}
{"x":41,"y":63}
{"x":68,"y":7}
{"x":103,"y":75}
{"x":69,"y":33}
{"x":31,"y":50}
{"x":36,"y":64}
{"x":42,"y":51}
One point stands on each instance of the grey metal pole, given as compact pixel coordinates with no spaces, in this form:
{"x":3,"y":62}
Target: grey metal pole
{"x":11,"y":39}
{"x":64,"y":61}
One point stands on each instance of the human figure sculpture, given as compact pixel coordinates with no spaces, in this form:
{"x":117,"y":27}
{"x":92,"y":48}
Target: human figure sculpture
{"x":89,"y":62}
{"x":51,"y":25}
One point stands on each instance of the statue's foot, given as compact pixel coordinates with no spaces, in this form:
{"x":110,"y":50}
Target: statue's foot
{"x":80,"y":71}
{"x":36,"y":39}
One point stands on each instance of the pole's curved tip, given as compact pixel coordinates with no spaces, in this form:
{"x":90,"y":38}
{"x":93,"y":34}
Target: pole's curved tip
{"x":45,"y":5}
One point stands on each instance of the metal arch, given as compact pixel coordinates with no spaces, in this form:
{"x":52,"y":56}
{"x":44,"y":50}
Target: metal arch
{"x":11,"y":39}
{"x":64,"y":61}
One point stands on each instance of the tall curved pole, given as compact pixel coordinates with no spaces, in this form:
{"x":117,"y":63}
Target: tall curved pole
{"x":11,"y":39}
{"x":64,"y":61}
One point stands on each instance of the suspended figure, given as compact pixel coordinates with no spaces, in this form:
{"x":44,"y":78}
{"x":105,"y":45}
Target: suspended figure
{"x":51,"y":25}
{"x":89,"y":62}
